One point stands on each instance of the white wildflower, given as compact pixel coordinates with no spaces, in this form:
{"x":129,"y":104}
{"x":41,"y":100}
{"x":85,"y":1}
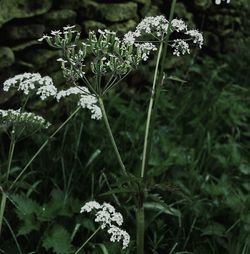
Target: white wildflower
{"x":86,"y":100}
{"x":96,"y":112}
{"x":180,"y":47}
{"x":129,"y":38}
{"x":178,"y":25}
{"x":45,"y":37}
{"x":101,"y":31}
{"x":14,"y":117}
{"x":28,"y":82}
{"x":68,"y":27}
{"x":118,"y":234}
{"x":104,"y":218}
{"x":89,"y":206}
{"x":157,"y":26}
{"x":106,"y":215}
{"x":196,"y":36}
{"x":57,"y":32}
{"x":61,"y":60}
{"x":146,"y":48}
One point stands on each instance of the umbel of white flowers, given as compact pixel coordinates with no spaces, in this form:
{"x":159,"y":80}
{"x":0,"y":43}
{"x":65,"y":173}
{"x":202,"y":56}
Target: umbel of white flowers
{"x":43,"y":87}
{"x":102,"y":52}
{"x":220,"y":1}
{"x":158,"y":28}
{"x":109,"y":219}
{"x":24,"y":119}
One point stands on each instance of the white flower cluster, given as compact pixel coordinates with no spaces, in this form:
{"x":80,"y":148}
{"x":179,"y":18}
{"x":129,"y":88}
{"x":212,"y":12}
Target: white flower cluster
{"x":106,"y":215}
{"x":109,"y":55}
{"x":67,"y":30}
{"x":146,"y":47}
{"x":86,"y":100}
{"x":158,"y":27}
{"x":14,"y":117}
{"x":28,"y":82}
{"x":180,"y":47}
{"x":220,"y":1}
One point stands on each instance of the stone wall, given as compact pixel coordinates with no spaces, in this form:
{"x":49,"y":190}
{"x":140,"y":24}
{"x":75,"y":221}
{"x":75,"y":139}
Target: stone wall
{"x":22,"y":22}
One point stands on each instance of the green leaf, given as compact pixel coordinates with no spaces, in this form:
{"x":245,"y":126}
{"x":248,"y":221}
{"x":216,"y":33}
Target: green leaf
{"x":215,"y":229}
{"x":163,"y":208}
{"x":58,"y":239}
{"x":174,"y":78}
{"x":27,"y":210}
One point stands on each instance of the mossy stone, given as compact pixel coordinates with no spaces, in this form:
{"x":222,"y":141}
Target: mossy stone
{"x":23,"y":32}
{"x":7,"y":57}
{"x":92,"y":25}
{"x":124,"y":27}
{"x":59,"y":18}
{"x":112,"y":12}
{"x":40,"y":58}
{"x":10,"y":9}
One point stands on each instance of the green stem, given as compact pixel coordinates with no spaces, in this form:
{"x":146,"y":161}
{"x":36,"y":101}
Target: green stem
{"x":3,"y":204}
{"x":106,"y":121}
{"x":150,"y":107}
{"x":87,"y":240}
{"x":43,"y":145}
{"x":140,"y":224}
{"x":155,"y":94}
{"x":11,"y":151}
{"x":4,"y":195}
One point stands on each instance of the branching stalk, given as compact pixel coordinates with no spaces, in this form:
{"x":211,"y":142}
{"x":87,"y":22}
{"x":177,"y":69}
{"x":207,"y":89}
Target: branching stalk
{"x":42,"y":146}
{"x":106,"y":121}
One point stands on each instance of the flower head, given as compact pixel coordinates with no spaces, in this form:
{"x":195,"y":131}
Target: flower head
{"x":20,"y":119}
{"x":85,"y":99}
{"x":158,"y":28}
{"x":107,"y":216}
{"x":28,"y":82}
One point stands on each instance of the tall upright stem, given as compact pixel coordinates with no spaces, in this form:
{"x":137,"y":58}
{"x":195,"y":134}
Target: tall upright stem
{"x":4,"y":195}
{"x":106,"y":121}
{"x":150,"y":107}
{"x":155,"y":94}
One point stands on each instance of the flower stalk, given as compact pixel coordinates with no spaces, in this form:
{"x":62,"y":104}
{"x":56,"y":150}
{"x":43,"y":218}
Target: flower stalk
{"x":106,"y":121}
{"x":152,"y":108}
{"x":4,"y":195}
{"x":43,"y":146}
{"x":96,"y":231}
